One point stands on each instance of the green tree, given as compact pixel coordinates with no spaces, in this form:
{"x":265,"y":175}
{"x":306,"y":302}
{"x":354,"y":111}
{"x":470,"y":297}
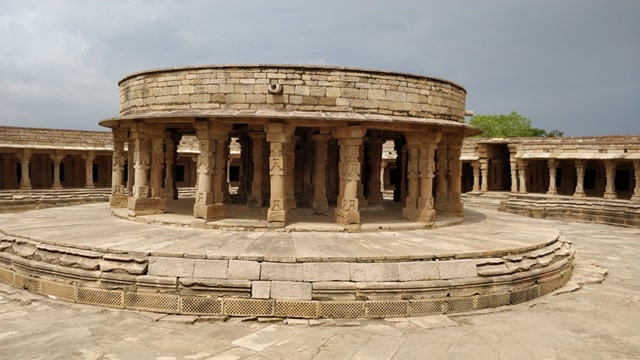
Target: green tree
{"x":511,"y":125}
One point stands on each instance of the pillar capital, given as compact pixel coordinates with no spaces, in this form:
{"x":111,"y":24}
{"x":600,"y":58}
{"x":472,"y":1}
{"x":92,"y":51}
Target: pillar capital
{"x":418,"y":138}
{"x":279,"y":132}
{"x":89,"y":155}
{"x":349,"y":132}
{"x":25,"y":155}
{"x":57,"y":156}
{"x":119,"y":134}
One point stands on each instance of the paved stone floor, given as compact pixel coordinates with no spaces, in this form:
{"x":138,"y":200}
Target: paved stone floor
{"x":588,"y":319}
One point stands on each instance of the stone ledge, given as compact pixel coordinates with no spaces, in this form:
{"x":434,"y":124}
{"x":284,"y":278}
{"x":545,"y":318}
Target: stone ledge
{"x":204,"y":305}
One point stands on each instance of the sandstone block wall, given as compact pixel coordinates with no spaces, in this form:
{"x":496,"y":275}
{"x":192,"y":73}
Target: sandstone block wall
{"x":291,"y":88}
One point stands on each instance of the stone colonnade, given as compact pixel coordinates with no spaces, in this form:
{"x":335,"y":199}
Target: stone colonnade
{"x":56,"y":169}
{"x":275,"y":177}
{"x":611,"y":173}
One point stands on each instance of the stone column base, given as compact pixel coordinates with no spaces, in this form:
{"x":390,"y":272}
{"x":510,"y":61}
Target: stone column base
{"x":144,"y":206}
{"x":579,"y":194}
{"x":610,"y":195}
{"x":210,"y":212}
{"x":276,"y":218}
{"x":410,"y":213}
{"x":347,"y":217}
{"x":635,"y":198}
{"x":119,"y":201}
{"x":426,"y":216}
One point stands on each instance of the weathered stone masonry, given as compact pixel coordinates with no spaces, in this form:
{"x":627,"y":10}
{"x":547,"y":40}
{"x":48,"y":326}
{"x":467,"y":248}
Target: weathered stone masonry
{"x":283,"y":118}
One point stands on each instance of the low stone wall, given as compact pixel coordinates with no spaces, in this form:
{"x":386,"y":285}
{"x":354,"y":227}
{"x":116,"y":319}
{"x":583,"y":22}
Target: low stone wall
{"x":24,"y":200}
{"x":311,"y":288}
{"x":603,"y":211}
{"x":568,"y":208}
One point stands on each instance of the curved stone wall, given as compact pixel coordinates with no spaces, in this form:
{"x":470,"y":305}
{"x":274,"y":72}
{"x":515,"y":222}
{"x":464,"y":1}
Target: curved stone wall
{"x":310,"y":289}
{"x":291,"y":88}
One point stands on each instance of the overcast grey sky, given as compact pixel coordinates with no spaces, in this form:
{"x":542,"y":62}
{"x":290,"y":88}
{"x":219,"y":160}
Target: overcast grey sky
{"x":572,"y":65}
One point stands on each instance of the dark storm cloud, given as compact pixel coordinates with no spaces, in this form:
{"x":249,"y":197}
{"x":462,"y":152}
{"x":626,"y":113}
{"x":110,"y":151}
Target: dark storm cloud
{"x":569,"y":65}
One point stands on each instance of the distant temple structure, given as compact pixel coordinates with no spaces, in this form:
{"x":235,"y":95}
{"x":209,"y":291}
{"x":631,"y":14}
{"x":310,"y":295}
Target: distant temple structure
{"x":309,"y":136}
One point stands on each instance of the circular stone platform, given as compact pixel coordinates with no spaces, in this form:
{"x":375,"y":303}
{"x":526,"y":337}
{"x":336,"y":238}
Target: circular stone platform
{"x":81,"y":254}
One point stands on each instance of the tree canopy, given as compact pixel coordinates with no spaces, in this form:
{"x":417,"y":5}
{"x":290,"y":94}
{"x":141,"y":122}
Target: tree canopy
{"x":511,"y":125}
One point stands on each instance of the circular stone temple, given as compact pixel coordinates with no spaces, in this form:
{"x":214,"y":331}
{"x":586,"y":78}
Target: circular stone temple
{"x":311,"y":137}
{"x":310,"y":141}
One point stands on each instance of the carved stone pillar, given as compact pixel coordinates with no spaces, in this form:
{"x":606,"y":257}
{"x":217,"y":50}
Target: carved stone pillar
{"x":25,"y":179}
{"x":118,"y":198}
{"x":362,"y":200}
{"x":375,"y":168}
{"x":636,"y":190}
{"x":454,"y":188}
{"x":256,"y":198}
{"x":220,"y":185}
{"x":347,"y":208}
{"x":553,"y":168}
{"x":580,"y":167}
{"x":513,"y":168}
{"x":476,"y":175}
{"x":212,"y":139}
{"x":278,"y":135}
{"x":410,"y":210}
{"x":610,"y":172}
{"x":484,"y":171}
{"x":426,"y":169}
{"x":56,"y":157}
{"x":441,"y":173}
{"x":89,"y":157}
{"x":319,"y":201}
{"x":522,"y":175}
{"x":157,"y":165}
{"x":131,"y":170}
{"x":290,"y":159}
{"x":205,"y":168}
{"x":141,"y":202}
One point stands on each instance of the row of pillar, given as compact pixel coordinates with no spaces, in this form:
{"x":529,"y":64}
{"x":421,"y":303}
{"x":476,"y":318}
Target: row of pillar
{"x":56,"y":157}
{"x":519,"y":171}
{"x":152,"y":154}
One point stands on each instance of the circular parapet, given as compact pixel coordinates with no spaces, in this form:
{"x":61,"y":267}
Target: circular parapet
{"x":308,"y":91}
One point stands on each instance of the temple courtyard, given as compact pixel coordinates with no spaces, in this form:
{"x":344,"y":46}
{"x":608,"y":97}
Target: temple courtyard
{"x":594,"y":316}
